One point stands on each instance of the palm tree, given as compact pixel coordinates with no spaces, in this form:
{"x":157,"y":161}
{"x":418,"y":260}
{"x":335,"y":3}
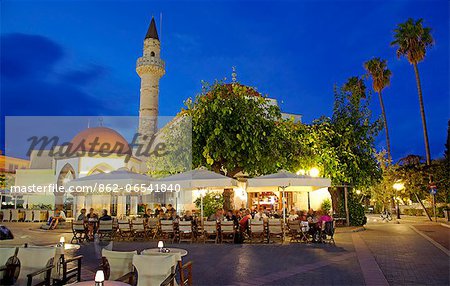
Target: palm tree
{"x":413,"y":40}
{"x":381,"y":77}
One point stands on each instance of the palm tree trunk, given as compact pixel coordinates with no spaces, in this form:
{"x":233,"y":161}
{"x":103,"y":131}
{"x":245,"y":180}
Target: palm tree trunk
{"x":388,"y":142}
{"x":422,"y":113}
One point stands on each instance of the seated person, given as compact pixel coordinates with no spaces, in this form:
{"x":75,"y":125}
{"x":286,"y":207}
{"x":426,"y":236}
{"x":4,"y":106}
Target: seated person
{"x":148,"y":213}
{"x":188,"y":216}
{"x":92,"y":219}
{"x":231,"y":217}
{"x":292,"y":215}
{"x":278,"y":214}
{"x":243,"y":223}
{"x":158,"y":210}
{"x":217,"y":216}
{"x":174,"y":216}
{"x":302,"y":216}
{"x":59,"y":216}
{"x":170,"y":209}
{"x":315,"y":226}
{"x":325,"y":217}
{"x":260,"y":215}
{"x":105,"y":216}
{"x":82,"y":215}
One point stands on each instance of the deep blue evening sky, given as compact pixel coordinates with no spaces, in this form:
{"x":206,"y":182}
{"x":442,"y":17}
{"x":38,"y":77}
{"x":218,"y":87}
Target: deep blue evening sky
{"x":78,"y":57}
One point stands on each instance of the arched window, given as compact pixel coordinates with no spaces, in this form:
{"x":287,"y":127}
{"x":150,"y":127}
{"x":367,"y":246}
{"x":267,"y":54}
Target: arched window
{"x":152,"y":54}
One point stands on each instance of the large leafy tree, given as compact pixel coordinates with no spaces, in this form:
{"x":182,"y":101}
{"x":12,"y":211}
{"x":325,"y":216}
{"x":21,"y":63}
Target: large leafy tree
{"x":412,"y":40}
{"x":381,"y":77}
{"x":344,"y":143}
{"x":235,"y":129}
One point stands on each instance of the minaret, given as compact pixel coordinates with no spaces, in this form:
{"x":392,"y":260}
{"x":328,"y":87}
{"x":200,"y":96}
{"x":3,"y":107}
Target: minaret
{"x":150,"y":69}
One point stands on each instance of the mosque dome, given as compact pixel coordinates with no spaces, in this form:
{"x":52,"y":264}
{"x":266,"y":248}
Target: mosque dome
{"x":100,"y":139}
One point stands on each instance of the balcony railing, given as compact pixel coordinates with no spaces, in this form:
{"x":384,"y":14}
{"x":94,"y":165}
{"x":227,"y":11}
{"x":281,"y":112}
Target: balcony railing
{"x":145,"y":61}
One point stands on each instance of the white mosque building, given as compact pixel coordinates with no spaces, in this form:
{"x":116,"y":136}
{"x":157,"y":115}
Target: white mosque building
{"x":50,"y":168}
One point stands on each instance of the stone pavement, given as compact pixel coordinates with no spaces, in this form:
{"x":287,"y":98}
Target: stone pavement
{"x":383,"y":253}
{"x":438,"y":233}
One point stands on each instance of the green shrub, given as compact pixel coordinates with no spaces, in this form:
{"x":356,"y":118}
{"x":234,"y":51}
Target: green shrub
{"x":356,"y":210}
{"x":439,"y":211}
{"x":211,"y":202}
{"x":326,"y":205}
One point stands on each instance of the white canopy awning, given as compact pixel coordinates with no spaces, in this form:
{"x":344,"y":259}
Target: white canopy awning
{"x":122,"y":179}
{"x":290,"y":181}
{"x":199,"y":179}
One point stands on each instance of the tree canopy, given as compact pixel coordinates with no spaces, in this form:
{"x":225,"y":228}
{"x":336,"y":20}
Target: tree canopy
{"x":236,"y":129}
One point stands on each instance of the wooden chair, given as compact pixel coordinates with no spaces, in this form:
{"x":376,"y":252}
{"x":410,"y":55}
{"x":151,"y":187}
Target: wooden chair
{"x":138,"y":229}
{"x":294,"y":230}
{"x":123,"y":229}
{"x":36,"y":216}
{"x":304,"y":231}
{"x":154,"y":270}
{"x":167,"y":230}
{"x":79,"y":231}
{"x":328,"y":229}
{"x":117,"y":265}
{"x":8,"y":258}
{"x":152,"y":226}
{"x":14,"y":215}
{"x":71,"y":268}
{"x":227,"y":231}
{"x":184,"y":232}
{"x":28,"y":216}
{"x":256,"y":229}
{"x":210,"y":231}
{"x":275,"y":229}
{"x":34,"y":263}
{"x":105,"y":229}
{"x":6,"y":216}
{"x":183,"y":270}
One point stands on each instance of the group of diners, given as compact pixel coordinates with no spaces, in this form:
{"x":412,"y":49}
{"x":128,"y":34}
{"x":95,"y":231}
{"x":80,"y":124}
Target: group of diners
{"x":91,"y":220}
{"x":241,"y":219}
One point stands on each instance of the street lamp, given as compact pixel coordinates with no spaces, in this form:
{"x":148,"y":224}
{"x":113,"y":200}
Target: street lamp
{"x":398,"y":186}
{"x":314,"y":172}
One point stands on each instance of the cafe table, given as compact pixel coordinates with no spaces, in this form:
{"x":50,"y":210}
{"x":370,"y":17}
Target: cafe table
{"x":180,"y":251}
{"x":105,"y":283}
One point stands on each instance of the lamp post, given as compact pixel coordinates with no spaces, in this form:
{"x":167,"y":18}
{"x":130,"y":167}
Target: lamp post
{"x":398,"y":186}
{"x":202,"y":193}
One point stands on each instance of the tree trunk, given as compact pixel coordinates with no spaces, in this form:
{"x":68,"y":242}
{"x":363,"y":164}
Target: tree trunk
{"x":424,"y":208}
{"x":228,"y":196}
{"x":422,"y":113}
{"x":388,"y":141}
{"x":336,"y":196}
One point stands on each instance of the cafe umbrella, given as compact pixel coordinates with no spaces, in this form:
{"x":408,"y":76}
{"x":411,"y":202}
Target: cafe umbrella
{"x":287,"y":182}
{"x":199,"y":179}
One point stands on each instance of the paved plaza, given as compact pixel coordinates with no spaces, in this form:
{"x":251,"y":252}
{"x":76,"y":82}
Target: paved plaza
{"x":384,"y":254}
